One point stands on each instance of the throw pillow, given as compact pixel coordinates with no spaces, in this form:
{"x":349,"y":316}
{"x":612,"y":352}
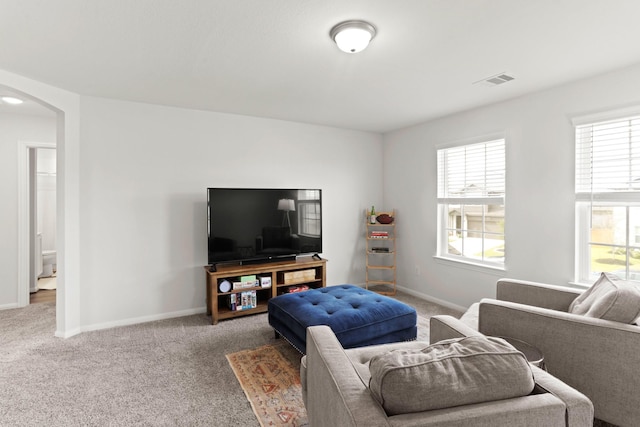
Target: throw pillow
{"x":449,"y":373}
{"x":609,"y":298}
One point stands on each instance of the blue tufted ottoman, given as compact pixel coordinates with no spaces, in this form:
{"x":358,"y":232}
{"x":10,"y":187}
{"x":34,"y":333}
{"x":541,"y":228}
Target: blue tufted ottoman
{"x":358,"y":317}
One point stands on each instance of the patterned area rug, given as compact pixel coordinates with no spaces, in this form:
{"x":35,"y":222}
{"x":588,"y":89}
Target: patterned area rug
{"x":272,"y":385}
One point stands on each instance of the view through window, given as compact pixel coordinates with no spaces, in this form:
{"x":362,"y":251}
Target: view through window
{"x":471,"y":192}
{"x":608,"y":198}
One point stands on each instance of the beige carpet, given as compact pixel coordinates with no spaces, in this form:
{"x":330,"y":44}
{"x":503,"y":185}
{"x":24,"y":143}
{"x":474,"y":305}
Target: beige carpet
{"x":272,"y":385}
{"x":171,"y":372}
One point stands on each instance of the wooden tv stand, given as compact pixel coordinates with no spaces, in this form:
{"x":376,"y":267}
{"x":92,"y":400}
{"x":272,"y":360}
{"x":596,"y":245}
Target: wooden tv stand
{"x":284,"y":275}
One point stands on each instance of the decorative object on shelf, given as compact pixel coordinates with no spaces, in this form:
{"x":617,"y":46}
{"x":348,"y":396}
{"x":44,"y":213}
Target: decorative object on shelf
{"x":384,"y":219}
{"x":265,"y":281}
{"x":372,"y":217}
{"x":225,"y":286}
{"x":381,"y":253}
{"x":297,"y":288}
{"x":352,"y":36}
{"x":299,"y":276}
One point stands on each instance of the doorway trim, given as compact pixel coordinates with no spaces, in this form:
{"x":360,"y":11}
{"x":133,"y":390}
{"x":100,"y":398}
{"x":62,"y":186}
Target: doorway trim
{"x":24,"y":240}
{"x":66,"y":106}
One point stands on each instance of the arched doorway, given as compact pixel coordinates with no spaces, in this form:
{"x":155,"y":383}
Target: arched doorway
{"x":65,"y":105}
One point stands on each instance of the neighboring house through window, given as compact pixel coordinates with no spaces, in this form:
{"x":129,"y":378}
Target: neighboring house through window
{"x":471,"y":193}
{"x":608,"y":197}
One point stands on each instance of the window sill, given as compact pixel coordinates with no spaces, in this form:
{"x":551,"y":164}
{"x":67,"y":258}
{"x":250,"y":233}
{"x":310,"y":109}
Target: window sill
{"x":580,"y":285}
{"x":470,"y":265}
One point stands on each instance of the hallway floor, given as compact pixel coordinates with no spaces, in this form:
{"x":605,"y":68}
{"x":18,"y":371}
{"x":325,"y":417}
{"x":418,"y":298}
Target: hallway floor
{"x":43,"y":295}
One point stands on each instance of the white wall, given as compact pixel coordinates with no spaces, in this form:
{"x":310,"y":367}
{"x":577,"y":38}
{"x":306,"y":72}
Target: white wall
{"x":134,"y":194}
{"x":143,"y":178}
{"x":540,"y":186}
{"x":15,"y":128}
{"x":46,"y":204}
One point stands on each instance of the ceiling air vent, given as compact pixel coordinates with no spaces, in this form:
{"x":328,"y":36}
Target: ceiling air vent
{"x":498,"y":79}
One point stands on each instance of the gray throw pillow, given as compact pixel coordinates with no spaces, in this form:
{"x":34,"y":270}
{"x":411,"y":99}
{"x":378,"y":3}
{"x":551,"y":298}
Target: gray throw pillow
{"x":609,"y":298}
{"x":449,"y":373}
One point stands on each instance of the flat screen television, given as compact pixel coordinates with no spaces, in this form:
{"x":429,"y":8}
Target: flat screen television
{"x":253,"y":225}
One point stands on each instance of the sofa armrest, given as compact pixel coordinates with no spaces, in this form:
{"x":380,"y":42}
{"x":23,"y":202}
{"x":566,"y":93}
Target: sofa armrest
{"x":444,"y":327}
{"x":335,"y":393}
{"x":598,"y":357}
{"x":579,"y":407}
{"x":536,"y":294}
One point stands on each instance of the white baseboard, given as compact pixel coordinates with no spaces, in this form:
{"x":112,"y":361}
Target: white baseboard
{"x":425,"y":297}
{"x":137,"y":320}
{"x":433,"y":299}
{"x":68,"y":334}
{"x":9,"y":306}
{"x":189,"y":312}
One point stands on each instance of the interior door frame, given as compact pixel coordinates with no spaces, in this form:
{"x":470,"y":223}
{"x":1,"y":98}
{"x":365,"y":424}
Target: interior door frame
{"x":25,"y":237}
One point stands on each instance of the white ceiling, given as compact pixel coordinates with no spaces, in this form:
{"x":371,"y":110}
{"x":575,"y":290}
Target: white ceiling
{"x":29,"y":106}
{"x":274,"y":58}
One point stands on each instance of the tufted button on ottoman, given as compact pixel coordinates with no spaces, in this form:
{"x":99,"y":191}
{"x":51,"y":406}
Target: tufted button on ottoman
{"x":358,"y":317}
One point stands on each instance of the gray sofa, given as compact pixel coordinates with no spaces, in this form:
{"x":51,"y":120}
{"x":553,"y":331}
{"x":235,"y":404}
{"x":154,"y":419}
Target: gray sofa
{"x":335,"y":384}
{"x":601,"y":358}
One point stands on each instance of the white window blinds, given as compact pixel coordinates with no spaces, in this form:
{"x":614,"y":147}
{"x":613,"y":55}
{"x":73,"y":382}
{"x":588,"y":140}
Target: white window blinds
{"x":608,"y":160}
{"x":472,"y":173}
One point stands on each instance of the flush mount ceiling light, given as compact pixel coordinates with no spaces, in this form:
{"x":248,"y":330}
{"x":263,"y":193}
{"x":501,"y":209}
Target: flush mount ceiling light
{"x":11,"y":100}
{"x":352,"y":36}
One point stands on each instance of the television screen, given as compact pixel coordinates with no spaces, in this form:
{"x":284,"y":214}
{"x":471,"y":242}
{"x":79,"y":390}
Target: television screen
{"x":263,"y":224}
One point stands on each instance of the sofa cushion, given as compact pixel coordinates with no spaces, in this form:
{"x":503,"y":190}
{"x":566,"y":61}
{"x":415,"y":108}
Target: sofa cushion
{"x":609,"y":298}
{"x":449,"y":373}
{"x":471,"y":317}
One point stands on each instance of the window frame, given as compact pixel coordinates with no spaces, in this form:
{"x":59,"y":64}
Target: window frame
{"x":484,"y":201}
{"x":587,"y":201}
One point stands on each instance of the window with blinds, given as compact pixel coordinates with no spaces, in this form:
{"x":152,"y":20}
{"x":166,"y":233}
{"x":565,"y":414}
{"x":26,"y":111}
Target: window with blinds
{"x":608,"y":159}
{"x":608,"y":198}
{"x":471,"y":193}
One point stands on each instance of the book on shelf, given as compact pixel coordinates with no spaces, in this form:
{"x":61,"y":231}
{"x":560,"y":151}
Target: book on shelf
{"x":245,"y":284}
{"x":243,"y":300}
{"x":298,"y":288}
{"x":379,"y":234}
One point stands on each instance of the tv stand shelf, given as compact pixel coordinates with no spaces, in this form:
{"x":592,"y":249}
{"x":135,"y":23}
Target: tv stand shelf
{"x":309,"y":271}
